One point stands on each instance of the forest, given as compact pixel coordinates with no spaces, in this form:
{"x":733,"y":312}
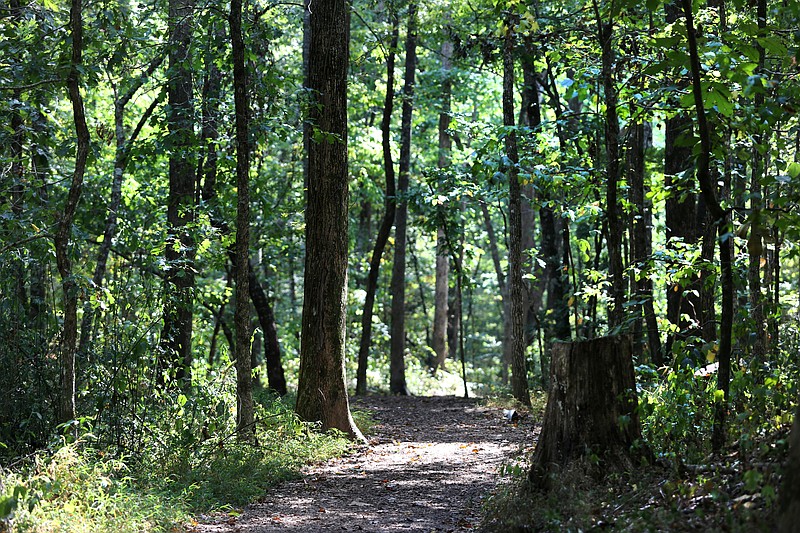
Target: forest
{"x":221,"y":223}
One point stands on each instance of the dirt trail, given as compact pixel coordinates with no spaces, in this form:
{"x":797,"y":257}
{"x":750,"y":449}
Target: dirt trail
{"x":431,"y":463}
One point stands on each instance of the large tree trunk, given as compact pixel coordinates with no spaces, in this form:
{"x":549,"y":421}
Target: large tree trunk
{"x":516,"y":308}
{"x":591,"y":409}
{"x":245,"y":415}
{"x":322,"y":391}
{"x":62,"y":239}
{"x":390,"y":202}
{"x":176,"y":336}
{"x":397,"y":370}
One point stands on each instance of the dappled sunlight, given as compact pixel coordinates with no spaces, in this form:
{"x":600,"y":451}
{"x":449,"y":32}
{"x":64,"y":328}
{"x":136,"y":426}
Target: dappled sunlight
{"x":431,"y":463}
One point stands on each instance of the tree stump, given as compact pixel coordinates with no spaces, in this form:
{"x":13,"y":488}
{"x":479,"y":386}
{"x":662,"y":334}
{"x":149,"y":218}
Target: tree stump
{"x":591,"y":410}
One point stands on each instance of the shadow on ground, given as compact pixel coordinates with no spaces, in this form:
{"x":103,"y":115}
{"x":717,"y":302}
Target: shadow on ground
{"x":431,"y":463}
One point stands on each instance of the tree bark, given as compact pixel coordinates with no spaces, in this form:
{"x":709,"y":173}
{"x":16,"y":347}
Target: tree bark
{"x":397,"y":377}
{"x":519,"y":370}
{"x":322,"y":391}
{"x":245,"y":415}
{"x":176,"y":336}
{"x":684,"y":217}
{"x":390,"y":202}
{"x":591,"y":409}
{"x":755,"y":246}
{"x":62,"y":239}
{"x":605,"y":34}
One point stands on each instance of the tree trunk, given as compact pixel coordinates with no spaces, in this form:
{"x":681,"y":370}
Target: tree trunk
{"x":439,"y":338}
{"x":641,"y":240}
{"x":708,"y":189}
{"x":681,"y":215}
{"x":62,"y":238}
{"x":390,"y":202}
{"x":397,"y":377}
{"x":516,"y":341}
{"x":266,"y":319}
{"x":322,"y":390}
{"x":176,"y":336}
{"x":605,"y":34}
{"x":245,"y":414}
{"x":591,"y":409}
{"x":755,"y":246}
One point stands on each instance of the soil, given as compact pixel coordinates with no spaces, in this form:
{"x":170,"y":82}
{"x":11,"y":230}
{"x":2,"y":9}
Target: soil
{"x":430,"y":464}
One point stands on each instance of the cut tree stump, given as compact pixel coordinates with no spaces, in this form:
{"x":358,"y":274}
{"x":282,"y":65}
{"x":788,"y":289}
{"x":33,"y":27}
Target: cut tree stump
{"x":591,"y":410}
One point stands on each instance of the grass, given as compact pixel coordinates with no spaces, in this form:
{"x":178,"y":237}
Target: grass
{"x":76,"y":487}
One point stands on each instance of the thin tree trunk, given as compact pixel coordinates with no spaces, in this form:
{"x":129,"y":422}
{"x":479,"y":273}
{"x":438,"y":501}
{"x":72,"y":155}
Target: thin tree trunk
{"x":519,"y":371}
{"x":397,"y":377}
{"x":642,"y":242}
{"x":390,"y":202}
{"x":755,"y":247}
{"x":176,"y":336}
{"x":219,"y":317}
{"x":16,"y":186}
{"x":439,"y":340}
{"x":62,"y":237}
{"x":439,"y":337}
{"x":708,"y":189}
{"x":266,"y":319}
{"x":605,"y":34}
{"x":322,"y":390}
{"x":245,"y":415}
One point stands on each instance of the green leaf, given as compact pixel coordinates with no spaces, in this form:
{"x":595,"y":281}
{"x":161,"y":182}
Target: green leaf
{"x":793,"y":170}
{"x":719,"y":101}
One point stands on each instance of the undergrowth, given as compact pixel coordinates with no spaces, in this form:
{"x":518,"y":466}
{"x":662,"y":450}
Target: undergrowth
{"x":688,"y":488}
{"x":182,"y":465}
